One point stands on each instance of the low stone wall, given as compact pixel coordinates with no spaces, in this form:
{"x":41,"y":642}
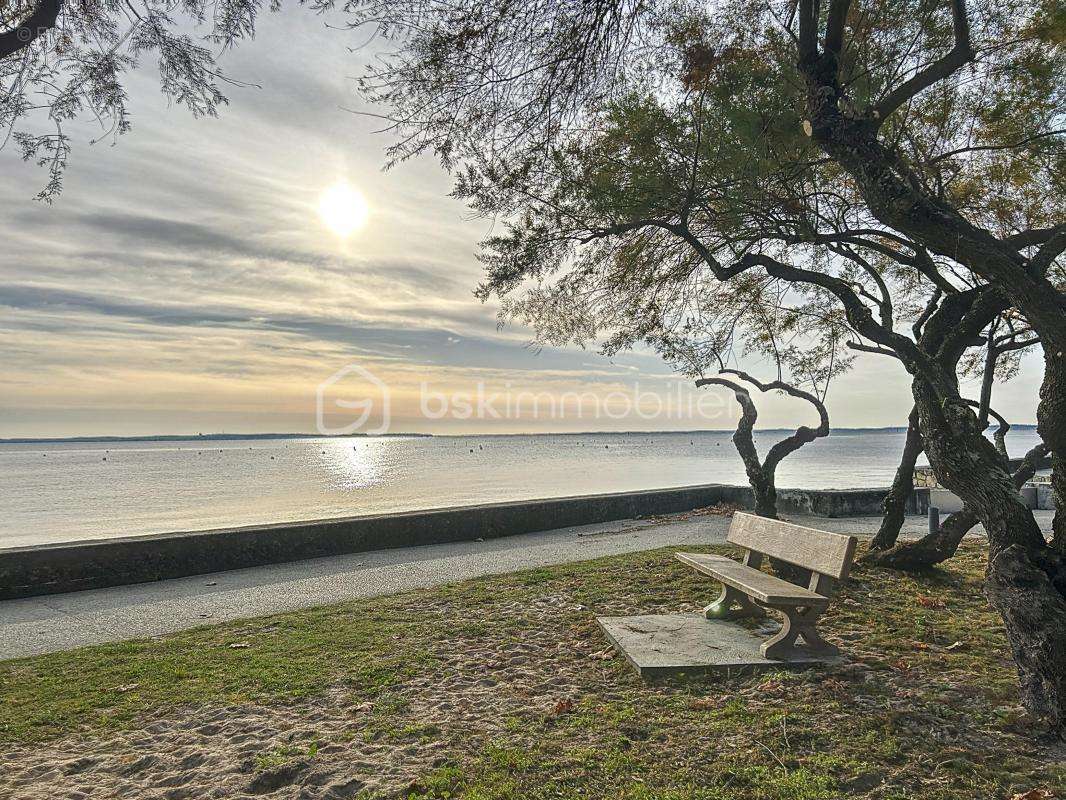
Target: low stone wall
{"x":50,"y":569}
{"x":841,"y":502}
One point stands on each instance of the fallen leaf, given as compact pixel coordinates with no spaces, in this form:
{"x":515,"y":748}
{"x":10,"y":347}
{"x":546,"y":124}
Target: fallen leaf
{"x":929,"y":602}
{"x":126,"y":687}
{"x":564,"y":706}
{"x":239,"y":646}
{"x":703,"y":704}
{"x":955,"y":646}
{"x":1034,"y":794}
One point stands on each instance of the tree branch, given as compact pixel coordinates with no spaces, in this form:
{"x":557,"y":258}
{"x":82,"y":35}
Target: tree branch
{"x":962,"y":53}
{"x":986,"y":147}
{"x":859,"y":316}
{"x":1027,"y":469}
{"x":1051,"y":249}
{"x":742,"y":437}
{"x":866,"y":348}
{"x":803,"y":434}
{"x":834,"y":28}
{"x":930,"y":308}
{"x":1032,"y":237}
{"x":41,"y":19}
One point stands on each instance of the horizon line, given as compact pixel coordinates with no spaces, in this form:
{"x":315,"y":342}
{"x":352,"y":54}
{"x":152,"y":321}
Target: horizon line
{"x":223,"y":436}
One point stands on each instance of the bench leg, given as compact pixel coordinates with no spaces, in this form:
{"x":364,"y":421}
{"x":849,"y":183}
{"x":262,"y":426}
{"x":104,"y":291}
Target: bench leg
{"x":799,"y":622}
{"x":722,"y":608}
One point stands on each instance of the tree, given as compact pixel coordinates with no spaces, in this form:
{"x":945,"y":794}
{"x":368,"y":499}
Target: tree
{"x":762,"y":472}
{"x":997,"y":357}
{"x":62,"y":61}
{"x":876,"y":152}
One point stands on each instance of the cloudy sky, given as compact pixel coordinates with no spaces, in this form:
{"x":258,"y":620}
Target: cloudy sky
{"x":185,"y":282}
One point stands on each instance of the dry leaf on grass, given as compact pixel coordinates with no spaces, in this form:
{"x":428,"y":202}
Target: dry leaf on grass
{"x":564,"y":706}
{"x":1034,"y":794}
{"x":704,"y":704}
{"x":929,"y":602}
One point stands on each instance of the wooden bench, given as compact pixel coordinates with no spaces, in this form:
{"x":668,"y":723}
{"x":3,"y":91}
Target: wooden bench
{"x":747,"y":590}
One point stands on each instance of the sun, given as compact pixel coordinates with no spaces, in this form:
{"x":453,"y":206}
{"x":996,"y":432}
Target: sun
{"x":343,"y":209}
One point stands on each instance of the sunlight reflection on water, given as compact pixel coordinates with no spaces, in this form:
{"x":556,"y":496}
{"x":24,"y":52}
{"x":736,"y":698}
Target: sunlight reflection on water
{"x":61,"y":492}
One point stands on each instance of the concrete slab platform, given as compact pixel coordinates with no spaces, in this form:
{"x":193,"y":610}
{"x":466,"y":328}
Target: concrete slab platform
{"x":666,"y":645}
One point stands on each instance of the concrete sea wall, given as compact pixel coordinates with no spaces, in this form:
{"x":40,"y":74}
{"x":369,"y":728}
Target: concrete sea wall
{"x":50,"y":569}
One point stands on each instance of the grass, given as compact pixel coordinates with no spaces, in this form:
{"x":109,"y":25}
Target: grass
{"x":925,"y":709}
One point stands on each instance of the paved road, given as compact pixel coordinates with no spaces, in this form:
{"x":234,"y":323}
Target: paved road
{"x":61,"y":622}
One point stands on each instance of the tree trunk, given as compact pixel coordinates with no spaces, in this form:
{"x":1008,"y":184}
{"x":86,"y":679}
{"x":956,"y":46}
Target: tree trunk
{"x":1025,"y":579}
{"x":765,"y":490}
{"x":1051,"y":424}
{"x":943,"y":543}
{"x":764,"y":487}
{"x":895,"y":504}
{"x":930,"y":550}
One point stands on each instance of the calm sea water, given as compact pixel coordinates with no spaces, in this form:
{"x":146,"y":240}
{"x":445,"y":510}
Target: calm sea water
{"x":71,"y":491}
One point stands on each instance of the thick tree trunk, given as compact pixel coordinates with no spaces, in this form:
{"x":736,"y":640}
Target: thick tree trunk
{"x":1025,"y":579}
{"x":895,"y":504}
{"x":765,"y":492}
{"x":1051,"y":424}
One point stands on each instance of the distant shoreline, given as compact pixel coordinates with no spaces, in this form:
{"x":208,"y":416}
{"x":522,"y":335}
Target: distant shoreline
{"x":222,"y":437}
{"x":203,"y":437}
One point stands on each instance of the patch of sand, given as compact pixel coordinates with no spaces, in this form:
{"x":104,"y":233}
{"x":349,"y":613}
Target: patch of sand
{"x":331,"y":747}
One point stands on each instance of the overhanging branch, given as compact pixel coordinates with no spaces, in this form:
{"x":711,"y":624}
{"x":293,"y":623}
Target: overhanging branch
{"x":41,"y":19}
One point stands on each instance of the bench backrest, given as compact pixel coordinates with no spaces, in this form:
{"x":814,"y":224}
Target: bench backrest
{"x":821,"y":552}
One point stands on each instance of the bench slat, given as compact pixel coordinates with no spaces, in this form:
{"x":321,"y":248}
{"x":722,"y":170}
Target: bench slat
{"x":755,"y":583}
{"x":820,"y":551}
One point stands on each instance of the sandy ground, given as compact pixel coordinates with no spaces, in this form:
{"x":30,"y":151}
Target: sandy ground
{"x":217,"y":752}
